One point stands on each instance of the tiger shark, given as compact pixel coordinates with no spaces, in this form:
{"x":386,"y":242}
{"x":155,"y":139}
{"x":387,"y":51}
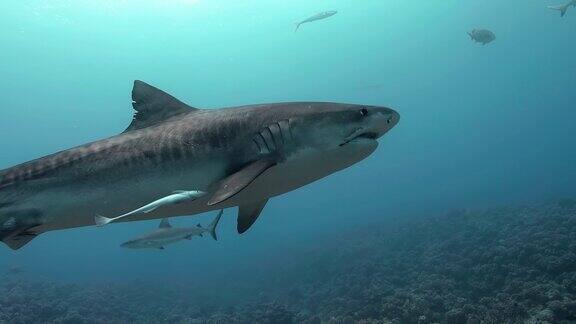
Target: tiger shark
{"x":238,"y":156}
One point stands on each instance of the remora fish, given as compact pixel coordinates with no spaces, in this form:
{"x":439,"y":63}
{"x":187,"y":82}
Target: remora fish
{"x":176,"y":197}
{"x":239,"y":156}
{"x":166,"y":234}
{"x":483,"y":36}
{"x":563,"y":8}
{"x":318,"y":16}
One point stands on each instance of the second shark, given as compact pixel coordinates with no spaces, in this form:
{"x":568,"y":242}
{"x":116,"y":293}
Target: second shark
{"x":166,"y":234}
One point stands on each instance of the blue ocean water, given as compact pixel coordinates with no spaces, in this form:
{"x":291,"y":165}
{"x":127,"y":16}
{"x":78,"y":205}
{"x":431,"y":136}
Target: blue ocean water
{"x":481,"y":125}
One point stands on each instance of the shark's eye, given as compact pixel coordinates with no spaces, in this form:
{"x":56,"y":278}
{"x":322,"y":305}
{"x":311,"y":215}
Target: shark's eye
{"x":363,"y":112}
{"x":388,"y":121}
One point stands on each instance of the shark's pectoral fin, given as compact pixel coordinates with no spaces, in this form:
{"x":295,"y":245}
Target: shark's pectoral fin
{"x":18,"y":237}
{"x":17,"y":241}
{"x":17,"y":227}
{"x":241,"y":179}
{"x":160,"y":248}
{"x":248,"y":213}
{"x":189,"y":237}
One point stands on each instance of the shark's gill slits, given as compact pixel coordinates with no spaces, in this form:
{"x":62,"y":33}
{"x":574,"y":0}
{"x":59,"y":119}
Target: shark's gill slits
{"x":257,"y":146}
{"x":261,"y":144}
{"x":266,"y":148}
{"x":273,"y":137}
{"x":281,"y":133}
{"x":286,"y":131}
{"x":269,"y":138}
{"x":276,"y":135}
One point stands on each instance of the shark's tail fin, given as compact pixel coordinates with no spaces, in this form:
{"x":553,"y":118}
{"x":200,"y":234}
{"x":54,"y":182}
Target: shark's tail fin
{"x":562,"y":9}
{"x":297,"y":26}
{"x":101,"y":220}
{"x":212,"y":226}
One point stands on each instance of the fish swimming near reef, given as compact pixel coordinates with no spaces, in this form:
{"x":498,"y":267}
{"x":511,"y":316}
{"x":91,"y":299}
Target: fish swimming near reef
{"x":483,"y":36}
{"x":563,"y":8}
{"x":176,"y":197}
{"x":239,"y":156}
{"x":166,"y":234}
{"x":318,"y":16}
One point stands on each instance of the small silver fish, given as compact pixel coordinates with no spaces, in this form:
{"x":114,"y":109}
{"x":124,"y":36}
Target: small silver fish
{"x":318,"y":16}
{"x":563,"y":8}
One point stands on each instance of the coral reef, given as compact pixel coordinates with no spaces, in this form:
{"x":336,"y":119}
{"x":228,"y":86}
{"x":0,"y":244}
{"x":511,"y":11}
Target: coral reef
{"x":567,"y":203}
{"x":503,"y":265}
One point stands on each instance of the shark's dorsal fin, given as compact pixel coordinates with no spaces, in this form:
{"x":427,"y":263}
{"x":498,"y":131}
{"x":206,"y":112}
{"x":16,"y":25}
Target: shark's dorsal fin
{"x":164,"y":223}
{"x":153,"y":105}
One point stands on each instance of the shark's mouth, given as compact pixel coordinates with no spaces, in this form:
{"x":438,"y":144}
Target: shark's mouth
{"x":360,"y":135}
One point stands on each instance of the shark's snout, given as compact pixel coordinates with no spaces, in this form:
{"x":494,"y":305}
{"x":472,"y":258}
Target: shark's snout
{"x":378,"y":121}
{"x":382,"y":120}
